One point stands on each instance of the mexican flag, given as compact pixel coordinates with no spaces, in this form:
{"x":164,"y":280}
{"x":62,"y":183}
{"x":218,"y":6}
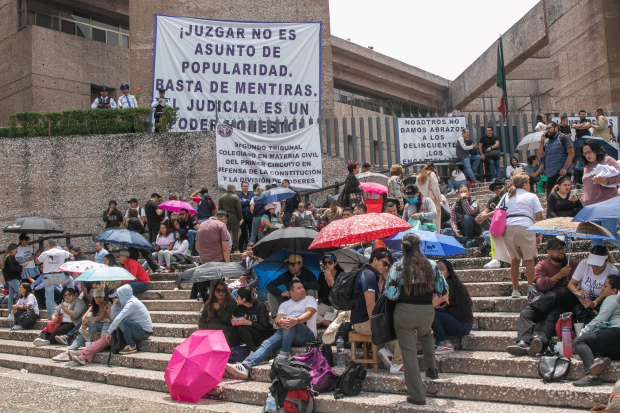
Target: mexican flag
{"x":500,"y":78}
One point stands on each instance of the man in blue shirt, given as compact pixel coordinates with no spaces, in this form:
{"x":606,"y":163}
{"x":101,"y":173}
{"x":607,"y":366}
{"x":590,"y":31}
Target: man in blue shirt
{"x":245,"y":196}
{"x":100,"y":252}
{"x":558,"y":150}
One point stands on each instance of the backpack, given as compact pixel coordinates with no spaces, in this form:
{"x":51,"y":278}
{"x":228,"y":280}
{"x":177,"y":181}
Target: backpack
{"x":350,"y":382}
{"x":341,"y":293}
{"x":291,"y":385}
{"x":117,"y":343}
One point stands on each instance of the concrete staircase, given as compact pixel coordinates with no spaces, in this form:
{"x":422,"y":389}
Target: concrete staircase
{"x":478,"y":377}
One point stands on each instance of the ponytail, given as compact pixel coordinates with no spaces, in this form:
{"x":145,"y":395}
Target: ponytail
{"x":517,"y":183}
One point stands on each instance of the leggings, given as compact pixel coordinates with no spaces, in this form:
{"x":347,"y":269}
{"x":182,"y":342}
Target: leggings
{"x":251,"y":337}
{"x":604,"y":342}
{"x":64,"y":329}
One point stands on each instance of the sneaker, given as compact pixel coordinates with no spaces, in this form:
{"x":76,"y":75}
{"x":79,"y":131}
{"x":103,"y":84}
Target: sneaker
{"x":62,"y":357}
{"x":445,"y":349}
{"x":128,"y":350}
{"x":515,"y":294}
{"x":493,"y":264}
{"x":11,"y":317}
{"x":452,"y":192}
{"x":536,"y":346}
{"x":77,"y":357}
{"x":600,"y":365}
{"x":520,"y":349}
{"x":588,"y":381}
{"x":470,"y":244}
{"x":167,"y":271}
{"x":483,"y":251}
{"x":39,"y":342}
{"x":432,"y":374}
{"x":238,"y":370}
{"x":17,"y":327}
{"x":397,"y":369}
{"x":62,"y":340}
{"x":386,"y":357}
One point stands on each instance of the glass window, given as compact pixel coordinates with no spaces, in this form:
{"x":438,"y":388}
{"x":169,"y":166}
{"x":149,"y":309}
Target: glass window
{"x":124,"y":28}
{"x":43,"y":20}
{"x":83,"y":31}
{"x":99,"y":35}
{"x":77,"y":16}
{"x":125,"y":41}
{"x":67,"y":26}
{"x":112,"y":38}
{"x":42,"y":7}
{"x":104,"y":23}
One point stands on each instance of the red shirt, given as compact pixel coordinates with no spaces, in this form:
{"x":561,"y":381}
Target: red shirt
{"x":136,"y":270}
{"x":545,"y":270}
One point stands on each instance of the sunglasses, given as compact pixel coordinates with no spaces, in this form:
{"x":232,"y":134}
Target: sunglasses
{"x":385,"y":264}
{"x":328,"y":262}
{"x":220,"y":290}
{"x":292,"y":264}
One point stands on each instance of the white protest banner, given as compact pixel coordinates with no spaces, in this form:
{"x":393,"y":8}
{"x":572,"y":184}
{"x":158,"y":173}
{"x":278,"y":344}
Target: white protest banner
{"x":249,"y":157}
{"x":429,"y":139}
{"x":237,"y":69}
{"x":613,"y":121}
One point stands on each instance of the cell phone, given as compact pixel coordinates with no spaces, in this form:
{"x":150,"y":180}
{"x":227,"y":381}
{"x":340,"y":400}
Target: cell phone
{"x":578,"y":295}
{"x":573,"y":192}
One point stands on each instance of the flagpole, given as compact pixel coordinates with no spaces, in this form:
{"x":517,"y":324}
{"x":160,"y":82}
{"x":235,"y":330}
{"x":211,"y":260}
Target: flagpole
{"x":501,"y":48}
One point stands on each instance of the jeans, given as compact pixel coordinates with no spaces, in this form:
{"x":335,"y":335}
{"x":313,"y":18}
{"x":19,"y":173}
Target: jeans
{"x":469,"y":164}
{"x":610,"y":225}
{"x":255,"y":226}
{"x":13,"y":293}
{"x":131,"y":332}
{"x":286,"y":218}
{"x":283,"y":339}
{"x":604,"y":341}
{"x":455,"y":185}
{"x":138,"y":286}
{"x":74,"y":331}
{"x":49,"y":283}
{"x":496,"y":170}
{"x":468,"y":230}
{"x":191,"y":237}
{"x":487,"y":237}
{"x":17,"y":314}
{"x":445,"y":325}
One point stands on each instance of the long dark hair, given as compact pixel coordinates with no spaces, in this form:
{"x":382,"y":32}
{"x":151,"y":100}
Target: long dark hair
{"x":458,"y":291}
{"x":594,"y":147}
{"x":182,"y":234}
{"x":111,"y":260}
{"x":211,"y":300}
{"x":415,"y":269}
{"x":28,"y":288}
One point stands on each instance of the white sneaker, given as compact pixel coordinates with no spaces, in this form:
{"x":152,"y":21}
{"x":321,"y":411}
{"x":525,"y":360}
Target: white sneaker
{"x":17,"y":327}
{"x":11,"y":317}
{"x":238,"y":370}
{"x":447,"y":348}
{"x":515,"y":294}
{"x":386,"y":357}
{"x":39,"y":342}
{"x":176,"y":288}
{"x":493,"y":264}
{"x":87,"y":343}
{"x":62,"y":357}
{"x":452,"y":192}
{"x":397,"y":368}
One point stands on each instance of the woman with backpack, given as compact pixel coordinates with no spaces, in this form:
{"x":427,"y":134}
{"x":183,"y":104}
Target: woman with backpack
{"x":411,"y":283}
{"x":251,"y":319}
{"x":218,"y":311}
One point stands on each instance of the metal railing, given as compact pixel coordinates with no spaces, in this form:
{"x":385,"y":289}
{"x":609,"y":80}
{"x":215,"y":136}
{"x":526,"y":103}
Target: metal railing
{"x":67,"y":236}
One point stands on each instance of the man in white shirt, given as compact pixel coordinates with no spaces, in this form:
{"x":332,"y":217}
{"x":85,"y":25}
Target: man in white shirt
{"x":52,"y":259}
{"x":127,"y":101}
{"x":104,"y":101}
{"x":25,"y":255}
{"x":133,"y":204}
{"x":297,"y":321}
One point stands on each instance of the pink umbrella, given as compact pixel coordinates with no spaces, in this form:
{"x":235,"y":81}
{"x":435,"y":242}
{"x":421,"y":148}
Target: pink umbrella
{"x":197,"y":365}
{"x":374,"y":188}
{"x":177,"y":206}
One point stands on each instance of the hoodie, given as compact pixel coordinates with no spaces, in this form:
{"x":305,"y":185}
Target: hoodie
{"x":131,"y":309}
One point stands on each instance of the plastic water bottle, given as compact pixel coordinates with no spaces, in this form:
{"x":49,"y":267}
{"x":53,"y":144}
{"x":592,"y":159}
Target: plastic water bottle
{"x":567,"y":345}
{"x":198,"y":297}
{"x":270,"y":404}
{"x":340,"y":352}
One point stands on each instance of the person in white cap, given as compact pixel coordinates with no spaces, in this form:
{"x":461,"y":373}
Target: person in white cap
{"x":589,"y":277}
{"x":270,"y":220}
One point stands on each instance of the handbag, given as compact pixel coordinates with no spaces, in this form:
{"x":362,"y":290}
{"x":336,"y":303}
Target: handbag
{"x":326,"y":351}
{"x":351,"y":380}
{"x":498,"y":222}
{"x":493,"y":154}
{"x":323,"y":377}
{"x":565,"y":320}
{"x":51,"y":326}
{"x":28,"y":318}
{"x":355,"y":199}
{"x":540,"y":300}
{"x":553,"y":368}
{"x":382,"y":321}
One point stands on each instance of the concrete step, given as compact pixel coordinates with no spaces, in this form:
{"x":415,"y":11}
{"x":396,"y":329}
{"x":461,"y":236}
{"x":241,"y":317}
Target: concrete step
{"x":473,"y":263}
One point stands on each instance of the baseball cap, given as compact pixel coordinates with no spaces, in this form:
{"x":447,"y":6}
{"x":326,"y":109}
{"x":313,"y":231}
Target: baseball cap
{"x":113,"y":295}
{"x":98,"y":293}
{"x":294,"y":258}
{"x":330,"y":256}
{"x":271,"y":205}
{"x":132,"y":200}
{"x":597,"y":260}
{"x":162,"y":90}
{"x":124,"y":253}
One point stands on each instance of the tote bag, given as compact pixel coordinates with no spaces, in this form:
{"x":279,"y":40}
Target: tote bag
{"x":382,"y":321}
{"x":498,"y":223}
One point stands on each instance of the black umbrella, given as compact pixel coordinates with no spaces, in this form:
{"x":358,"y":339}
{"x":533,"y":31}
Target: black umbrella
{"x":33,"y":225}
{"x":212,"y":271}
{"x":295,"y":239}
{"x":349,"y":260}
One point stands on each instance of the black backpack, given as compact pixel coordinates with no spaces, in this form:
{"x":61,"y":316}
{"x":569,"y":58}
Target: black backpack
{"x":350,"y":382}
{"x":291,"y":385}
{"x":341,"y":293}
{"x":117,"y":343}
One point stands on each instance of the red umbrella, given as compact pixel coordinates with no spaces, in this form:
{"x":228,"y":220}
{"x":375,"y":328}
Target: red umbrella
{"x":359,"y":228}
{"x":176,"y":206}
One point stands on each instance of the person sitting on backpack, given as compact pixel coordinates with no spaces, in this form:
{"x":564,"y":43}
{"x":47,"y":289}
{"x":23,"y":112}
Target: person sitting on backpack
{"x":131,"y":318}
{"x":327,"y":278}
{"x":297,"y":321}
{"x":251,"y":319}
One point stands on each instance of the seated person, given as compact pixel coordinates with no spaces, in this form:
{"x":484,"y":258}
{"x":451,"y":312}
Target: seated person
{"x":296,"y":320}
{"x":534,"y":171}
{"x":70,"y":311}
{"x":391,"y":208}
{"x":302,"y":218}
{"x":296,"y":271}
{"x":457,"y":318}
{"x":347,"y":212}
{"x":419,"y":208}
{"x":463,"y":218}
{"x":552,"y":274}
{"x":445,"y":212}
{"x":485,"y":217}
{"x":218,"y":311}
{"x":270,"y":220}
{"x":26,"y":301}
{"x":142,"y":281}
{"x":457,"y":178}
{"x":327,"y":278}
{"x":90,"y":287}
{"x":181,"y":247}
{"x":588,"y":280}
{"x":366,"y":285}
{"x":251,"y":319}
{"x":601,"y":336}
{"x":332,"y":213}
{"x":249,"y":260}
{"x":190,"y":224}
{"x":110,"y":261}
{"x":514,"y":165}
{"x":132,"y":319}
{"x":360,"y":209}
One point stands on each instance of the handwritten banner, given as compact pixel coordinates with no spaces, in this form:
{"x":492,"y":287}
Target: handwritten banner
{"x":429,"y":139}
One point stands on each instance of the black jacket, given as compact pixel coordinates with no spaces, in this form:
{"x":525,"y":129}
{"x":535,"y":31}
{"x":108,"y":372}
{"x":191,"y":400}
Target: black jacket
{"x":12,"y":269}
{"x":257,"y":314}
{"x":351,"y":186}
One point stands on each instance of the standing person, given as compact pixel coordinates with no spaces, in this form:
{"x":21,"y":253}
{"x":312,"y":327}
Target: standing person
{"x":251,"y":319}
{"x":100,"y":252}
{"x":217,"y":313}
{"x":12,"y":272}
{"x":154,"y":216}
{"x":112,"y":217}
{"x":245,"y":196}
{"x":190,"y":225}
{"x":534,"y":170}
{"x":484,"y":219}
{"x":463,"y":218}
{"x":52,"y":259}
{"x":411,"y":283}
{"x":558,"y":150}
{"x":127,"y":101}
{"x":132,"y":223}
{"x":457,"y":178}
{"x":142,"y":281}
{"x":133,"y":204}
{"x":597,"y":188}
{"x":158,"y":105}
{"x":489,"y":151}
{"x":600,"y":128}
{"x":396,"y":189}
{"x":365,"y":167}
{"x":540,"y":124}
{"x":564,"y":128}
{"x":582,"y":131}
{"x":212,"y":245}
{"x":429,"y":187}
{"x":467,"y":154}
{"x":524,"y":210}
{"x":25,"y":255}
{"x":561,"y":203}
{"x":327,"y":278}
{"x":206,"y":205}
{"x":230,"y":203}
{"x":104,"y":101}
{"x":257,"y":211}
{"x":291,"y":204}
{"x":351,"y":185}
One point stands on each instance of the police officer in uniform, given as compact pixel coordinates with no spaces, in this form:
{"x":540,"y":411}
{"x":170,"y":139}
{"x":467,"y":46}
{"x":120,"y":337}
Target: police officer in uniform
{"x":126,"y":100}
{"x":104,"y":101}
{"x":159,"y":104}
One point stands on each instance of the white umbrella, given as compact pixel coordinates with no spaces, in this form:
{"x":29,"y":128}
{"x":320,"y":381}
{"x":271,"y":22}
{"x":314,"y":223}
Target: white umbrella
{"x":530,"y":142}
{"x":79,"y":267}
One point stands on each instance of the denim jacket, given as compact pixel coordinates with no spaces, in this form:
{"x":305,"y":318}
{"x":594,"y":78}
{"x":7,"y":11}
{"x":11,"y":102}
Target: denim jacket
{"x":395,"y":281}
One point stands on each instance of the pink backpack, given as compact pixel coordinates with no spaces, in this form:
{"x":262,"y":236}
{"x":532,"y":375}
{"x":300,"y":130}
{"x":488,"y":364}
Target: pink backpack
{"x":498,"y":223}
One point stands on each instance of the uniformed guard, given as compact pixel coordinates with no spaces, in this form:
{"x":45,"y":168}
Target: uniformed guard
{"x":126,"y":100}
{"x":104,"y":101}
{"x":159,"y":104}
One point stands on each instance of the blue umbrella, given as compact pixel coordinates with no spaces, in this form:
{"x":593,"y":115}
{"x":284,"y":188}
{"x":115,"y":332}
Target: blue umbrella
{"x":609,"y":209}
{"x":269,"y":269}
{"x":432,"y":243}
{"x":125,"y":238}
{"x":275,"y":195}
{"x":607,"y":147}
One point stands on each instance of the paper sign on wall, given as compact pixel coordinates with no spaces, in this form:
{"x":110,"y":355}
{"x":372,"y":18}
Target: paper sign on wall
{"x":429,"y":139}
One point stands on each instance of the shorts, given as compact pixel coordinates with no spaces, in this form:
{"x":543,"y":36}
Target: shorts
{"x":520,"y":243}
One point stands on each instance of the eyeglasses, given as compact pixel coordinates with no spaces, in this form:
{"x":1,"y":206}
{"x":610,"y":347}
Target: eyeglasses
{"x":385,"y":264}
{"x":220,"y":290}
{"x":328,"y":262}
{"x":67,"y":295}
{"x":586,"y":153}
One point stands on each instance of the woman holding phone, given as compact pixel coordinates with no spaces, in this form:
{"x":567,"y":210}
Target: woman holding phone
{"x":563,"y":202}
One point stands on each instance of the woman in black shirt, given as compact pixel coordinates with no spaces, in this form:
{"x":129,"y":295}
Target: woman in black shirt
{"x":218,"y":311}
{"x":133,"y":223}
{"x":351,"y":185}
{"x":560,"y":203}
{"x":251,"y":319}
{"x":12,"y":272}
{"x":331,"y":271}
